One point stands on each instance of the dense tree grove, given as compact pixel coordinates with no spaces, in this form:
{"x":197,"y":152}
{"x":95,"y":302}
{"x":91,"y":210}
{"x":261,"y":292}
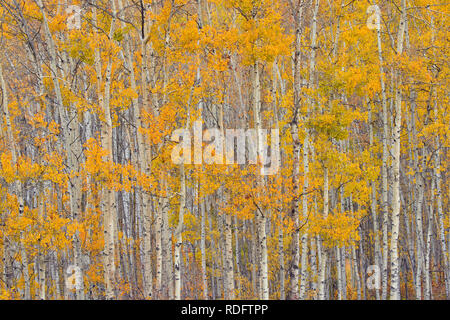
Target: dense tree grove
{"x":354,"y":93}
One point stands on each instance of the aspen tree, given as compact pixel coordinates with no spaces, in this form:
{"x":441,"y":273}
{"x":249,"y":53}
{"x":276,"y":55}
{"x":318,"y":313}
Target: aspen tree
{"x":17,"y":184}
{"x":108,"y":196}
{"x":304,"y":240}
{"x":179,"y":234}
{"x":324,"y":255}
{"x":396,"y":207}
{"x":384,"y":168}
{"x":297,"y":14}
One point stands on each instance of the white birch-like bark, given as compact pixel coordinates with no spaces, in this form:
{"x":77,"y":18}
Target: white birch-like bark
{"x":304,"y":238}
{"x":179,"y":234}
{"x":275,"y":73}
{"x":203,"y":249}
{"x":427,"y":276}
{"x":396,"y":135}
{"x":339,"y":272}
{"x":373,"y":205}
{"x":229,"y":274}
{"x":41,"y":256}
{"x":17,"y":184}
{"x":324,"y":258}
{"x":419,"y":231}
{"x":145,"y":166}
{"x":295,"y":260}
{"x":108,"y":196}
{"x":440,"y":210}
{"x":384,"y":173}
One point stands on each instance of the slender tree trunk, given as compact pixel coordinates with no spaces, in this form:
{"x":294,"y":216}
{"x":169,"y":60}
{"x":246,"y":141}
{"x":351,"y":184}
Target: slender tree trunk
{"x":179,"y":234}
{"x":373,"y":206}
{"x":17,"y":186}
{"x":395,"y":281}
{"x":324,"y":258}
